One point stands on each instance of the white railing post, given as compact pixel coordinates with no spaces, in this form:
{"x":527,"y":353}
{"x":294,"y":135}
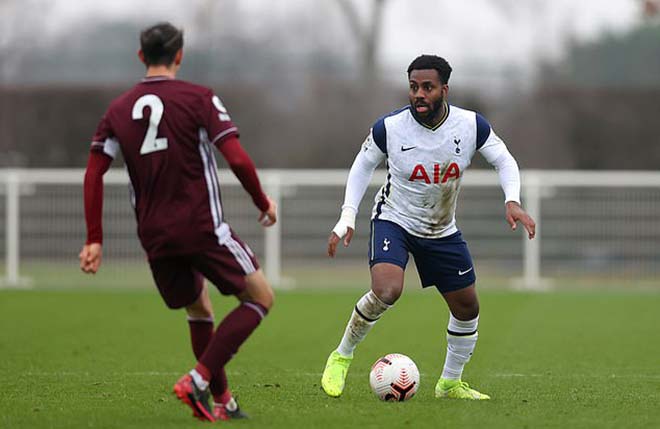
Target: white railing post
{"x":532,"y":248}
{"x":12,"y":228}
{"x":532,"y":195}
{"x":273,"y":234}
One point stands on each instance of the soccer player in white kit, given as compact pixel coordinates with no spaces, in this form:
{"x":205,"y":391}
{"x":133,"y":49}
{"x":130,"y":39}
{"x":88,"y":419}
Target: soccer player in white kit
{"x":427,"y":146}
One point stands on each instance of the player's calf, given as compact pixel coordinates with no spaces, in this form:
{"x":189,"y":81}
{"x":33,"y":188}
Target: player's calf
{"x":365,"y":315}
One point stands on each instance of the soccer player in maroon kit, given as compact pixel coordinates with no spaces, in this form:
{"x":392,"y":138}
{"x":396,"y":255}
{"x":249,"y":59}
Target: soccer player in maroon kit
{"x":164,"y":129}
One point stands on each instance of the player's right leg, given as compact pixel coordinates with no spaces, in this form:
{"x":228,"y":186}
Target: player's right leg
{"x":234,"y":270}
{"x":258,"y":292}
{"x":388,"y":256}
{"x":387,"y":282}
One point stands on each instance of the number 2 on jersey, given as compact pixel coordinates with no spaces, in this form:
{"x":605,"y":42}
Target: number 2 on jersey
{"x":151,"y":142}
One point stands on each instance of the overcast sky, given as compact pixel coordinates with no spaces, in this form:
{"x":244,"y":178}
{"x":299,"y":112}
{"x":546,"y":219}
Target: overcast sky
{"x":511,"y":30}
{"x":476,"y":36}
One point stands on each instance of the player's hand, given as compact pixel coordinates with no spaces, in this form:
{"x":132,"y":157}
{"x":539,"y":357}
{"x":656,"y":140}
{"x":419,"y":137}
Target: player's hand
{"x":515,"y":213}
{"x":90,"y":258}
{"x":269,"y":217}
{"x":344,"y":229}
{"x":334,"y":239}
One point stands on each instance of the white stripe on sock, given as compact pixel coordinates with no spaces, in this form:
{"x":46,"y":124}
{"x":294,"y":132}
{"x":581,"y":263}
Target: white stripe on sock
{"x":256,"y":308}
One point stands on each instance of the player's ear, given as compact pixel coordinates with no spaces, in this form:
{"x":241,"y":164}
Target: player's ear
{"x":179,"y":57}
{"x":140,"y":55}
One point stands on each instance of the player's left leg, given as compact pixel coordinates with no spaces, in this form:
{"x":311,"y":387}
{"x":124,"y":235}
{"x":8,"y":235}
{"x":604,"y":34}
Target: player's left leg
{"x":446,"y":263}
{"x":462,"y":338}
{"x":201,"y":324}
{"x":182,"y":287}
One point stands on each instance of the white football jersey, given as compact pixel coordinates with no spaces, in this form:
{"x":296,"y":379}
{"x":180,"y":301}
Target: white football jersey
{"x":425,"y":167}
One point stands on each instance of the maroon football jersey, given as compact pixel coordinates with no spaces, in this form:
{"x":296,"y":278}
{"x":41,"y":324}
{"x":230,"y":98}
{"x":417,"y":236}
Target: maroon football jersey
{"x":165,"y":129}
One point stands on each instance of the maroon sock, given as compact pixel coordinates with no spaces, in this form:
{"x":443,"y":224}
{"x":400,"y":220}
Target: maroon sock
{"x":231,"y":333}
{"x":221,"y":393}
{"x":201,"y":332}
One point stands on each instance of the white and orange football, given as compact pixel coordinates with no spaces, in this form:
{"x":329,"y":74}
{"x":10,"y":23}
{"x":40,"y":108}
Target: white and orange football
{"x":394,"y":377}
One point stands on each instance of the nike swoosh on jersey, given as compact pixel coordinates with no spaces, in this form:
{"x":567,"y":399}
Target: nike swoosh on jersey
{"x":461,"y":273}
{"x":404,"y":149}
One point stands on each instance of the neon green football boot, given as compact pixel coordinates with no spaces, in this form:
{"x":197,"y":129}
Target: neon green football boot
{"x":457,"y":389}
{"x":334,"y":374}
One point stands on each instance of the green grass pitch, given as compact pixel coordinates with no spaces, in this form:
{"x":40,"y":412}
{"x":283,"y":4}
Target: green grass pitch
{"x":105,"y":358}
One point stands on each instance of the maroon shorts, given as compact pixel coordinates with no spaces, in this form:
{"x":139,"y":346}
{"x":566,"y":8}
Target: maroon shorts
{"x":180,"y":278}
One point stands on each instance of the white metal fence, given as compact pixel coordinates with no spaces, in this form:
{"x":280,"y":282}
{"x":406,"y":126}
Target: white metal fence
{"x":590,"y":224}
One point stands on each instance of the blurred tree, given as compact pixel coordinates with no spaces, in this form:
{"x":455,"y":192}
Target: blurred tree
{"x":367,"y":34}
{"x":628,"y":60}
{"x":595,"y":108}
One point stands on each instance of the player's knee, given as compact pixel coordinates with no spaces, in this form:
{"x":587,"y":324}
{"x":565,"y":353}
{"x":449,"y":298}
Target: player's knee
{"x":266,"y":298}
{"x":258,"y":290}
{"x":202,"y":307}
{"x":389,"y":294}
{"x":466,"y":310}
{"x":199,"y":310}
{"x":387,"y":282}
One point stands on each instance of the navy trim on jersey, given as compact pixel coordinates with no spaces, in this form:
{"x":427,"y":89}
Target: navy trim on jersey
{"x":483,"y":130}
{"x":385,"y":193}
{"x":379,"y":132}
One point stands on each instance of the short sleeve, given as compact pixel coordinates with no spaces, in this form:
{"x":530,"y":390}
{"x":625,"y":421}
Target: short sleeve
{"x":379,"y":135}
{"x":218,"y":123}
{"x":483,"y":130}
{"x":104,"y":140}
{"x":371,"y":150}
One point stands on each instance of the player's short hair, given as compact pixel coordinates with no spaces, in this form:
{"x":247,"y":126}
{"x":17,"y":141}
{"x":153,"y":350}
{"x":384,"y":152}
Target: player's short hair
{"x":160,"y":43}
{"x":427,"y":62}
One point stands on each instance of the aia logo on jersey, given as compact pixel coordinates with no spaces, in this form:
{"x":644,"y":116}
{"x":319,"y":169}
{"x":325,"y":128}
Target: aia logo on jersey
{"x":419,"y":173}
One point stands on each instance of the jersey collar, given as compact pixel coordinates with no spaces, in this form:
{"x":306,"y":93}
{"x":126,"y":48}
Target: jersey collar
{"x":439,"y":124}
{"x":155,"y":78}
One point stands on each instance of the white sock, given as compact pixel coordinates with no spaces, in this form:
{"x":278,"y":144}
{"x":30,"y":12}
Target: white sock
{"x":231,"y":405}
{"x":461,"y":338}
{"x":199,"y":380}
{"x":365,"y":315}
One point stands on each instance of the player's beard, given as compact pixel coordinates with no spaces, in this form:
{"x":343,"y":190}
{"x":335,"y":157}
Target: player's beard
{"x":432,"y":115}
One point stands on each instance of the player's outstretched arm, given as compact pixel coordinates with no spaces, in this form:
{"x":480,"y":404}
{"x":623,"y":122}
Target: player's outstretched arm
{"x":497,"y":154}
{"x":515,"y":214}
{"x":358,"y":180}
{"x":91,"y":253}
{"x":243,"y":167}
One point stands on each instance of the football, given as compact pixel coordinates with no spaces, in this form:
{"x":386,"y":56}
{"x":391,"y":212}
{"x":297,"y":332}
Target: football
{"x":394,"y":377}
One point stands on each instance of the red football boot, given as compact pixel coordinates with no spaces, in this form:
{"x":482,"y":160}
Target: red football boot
{"x":197,"y":399}
{"x":222,"y":412}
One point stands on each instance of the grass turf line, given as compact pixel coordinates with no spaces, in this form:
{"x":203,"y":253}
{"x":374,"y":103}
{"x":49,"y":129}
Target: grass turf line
{"x":108,"y":358}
